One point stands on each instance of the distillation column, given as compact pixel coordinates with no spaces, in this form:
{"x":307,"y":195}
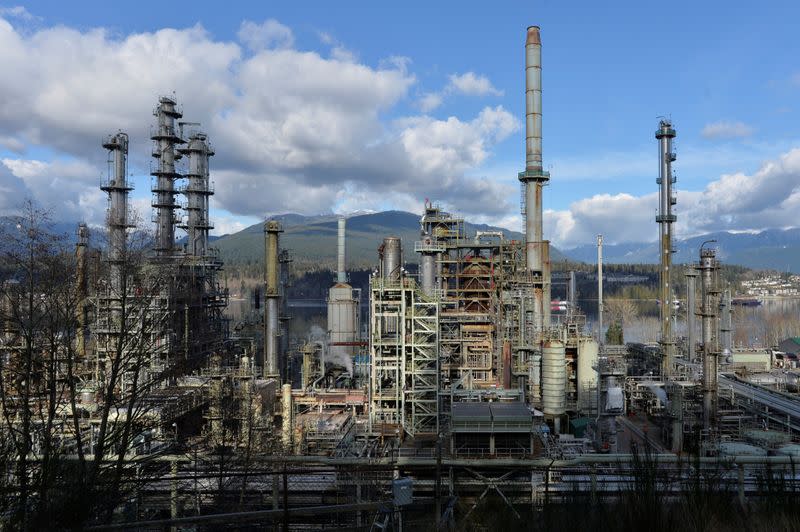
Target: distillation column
{"x":726,"y":323}
{"x":665,"y":219}
{"x":271,"y":293}
{"x":427,"y":265}
{"x":707,"y":268}
{"x":197,"y":192}
{"x":391,"y":258}
{"x":691,"y":309}
{"x":117,"y":221}
{"x":82,"y":290}
{"x":163,"y":189}
{"x":533,"y":179}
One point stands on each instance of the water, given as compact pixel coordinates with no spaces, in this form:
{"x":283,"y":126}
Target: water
{"x":763,"y":326}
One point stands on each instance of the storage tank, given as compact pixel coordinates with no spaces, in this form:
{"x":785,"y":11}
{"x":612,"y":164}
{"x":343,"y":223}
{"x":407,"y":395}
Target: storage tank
{"x":554,"y":378}
{"x":588,"y":352}
{"x":342,"y":319}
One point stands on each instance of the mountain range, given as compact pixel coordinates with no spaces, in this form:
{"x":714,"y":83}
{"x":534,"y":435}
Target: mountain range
{"x":772,"y":249}
{"x":312,"y":239}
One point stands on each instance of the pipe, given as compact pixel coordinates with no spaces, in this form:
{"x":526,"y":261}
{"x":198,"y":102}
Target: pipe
{"x":341,"y":275}
{"x":665,"y":219}
{"x":691,"y":309}
{"x":287,"y":415}
{"x":271,"y":293}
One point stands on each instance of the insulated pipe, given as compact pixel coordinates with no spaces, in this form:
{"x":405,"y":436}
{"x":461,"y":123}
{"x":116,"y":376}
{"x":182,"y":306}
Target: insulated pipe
{"x":341,"y":274}
{"x":691,"y":309}
{"x":287,"y":408}
{"x":271,"y":230}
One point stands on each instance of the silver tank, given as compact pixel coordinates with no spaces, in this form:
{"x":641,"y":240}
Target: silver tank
{"x":554,"y":378}
{"x":392,"y":253}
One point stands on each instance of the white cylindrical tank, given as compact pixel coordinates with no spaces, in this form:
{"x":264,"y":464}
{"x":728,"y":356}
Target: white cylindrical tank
{"x":554,"y":378}
{"x":588,"y":352}
{"x":342,"y":317}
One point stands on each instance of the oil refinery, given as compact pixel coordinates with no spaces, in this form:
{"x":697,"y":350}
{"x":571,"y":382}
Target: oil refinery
{"x":424,"y":395}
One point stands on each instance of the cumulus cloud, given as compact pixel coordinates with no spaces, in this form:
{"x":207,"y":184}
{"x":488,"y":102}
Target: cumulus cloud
{"x":768,"y":198}
{"x":726,"y":130}
{"x":291,"y":128}
{"x":268,"y":34}
{"x":473,"y":84}
{"x":470,"y":84}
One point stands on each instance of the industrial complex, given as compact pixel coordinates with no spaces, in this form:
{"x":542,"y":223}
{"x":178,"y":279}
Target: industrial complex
{"x":426,"y":394}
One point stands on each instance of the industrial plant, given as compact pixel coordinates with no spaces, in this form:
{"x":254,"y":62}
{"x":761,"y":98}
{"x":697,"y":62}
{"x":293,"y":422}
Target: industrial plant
{"x":426,"y":395}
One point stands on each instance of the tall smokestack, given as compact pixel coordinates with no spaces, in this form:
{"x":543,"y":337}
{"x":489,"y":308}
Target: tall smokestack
{"x":534,"y":178}
{"x":341,"y":274}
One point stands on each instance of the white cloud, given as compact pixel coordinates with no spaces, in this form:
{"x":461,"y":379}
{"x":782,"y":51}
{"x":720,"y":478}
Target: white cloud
{"x":473,"y":84}
{"x":430,"y":101}
{"x":268,"y":34}
{"x":470,"y":84}
{"x":726,"y":130}
{"x":19,"y":13}
{"x":767,"y":198}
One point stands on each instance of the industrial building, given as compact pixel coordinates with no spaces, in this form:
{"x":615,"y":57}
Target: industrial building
{"x":456,"y":376}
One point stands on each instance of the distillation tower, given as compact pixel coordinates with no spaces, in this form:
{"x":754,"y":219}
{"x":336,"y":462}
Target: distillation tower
{"x":165,"y":139}
{"x":665,"y":219}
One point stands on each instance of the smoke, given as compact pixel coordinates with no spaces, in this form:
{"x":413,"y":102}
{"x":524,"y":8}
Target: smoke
{"x":334,"y":355}
{"x":338,"y":355}
{"x":658,"y":392}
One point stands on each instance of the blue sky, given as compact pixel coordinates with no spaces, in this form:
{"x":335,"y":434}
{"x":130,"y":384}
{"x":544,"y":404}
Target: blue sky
{"x":726,"y":73}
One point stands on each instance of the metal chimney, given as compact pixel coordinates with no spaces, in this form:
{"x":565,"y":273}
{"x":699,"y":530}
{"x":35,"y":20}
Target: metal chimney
{"x":341,"y":275}
{"x":534,"y":178}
